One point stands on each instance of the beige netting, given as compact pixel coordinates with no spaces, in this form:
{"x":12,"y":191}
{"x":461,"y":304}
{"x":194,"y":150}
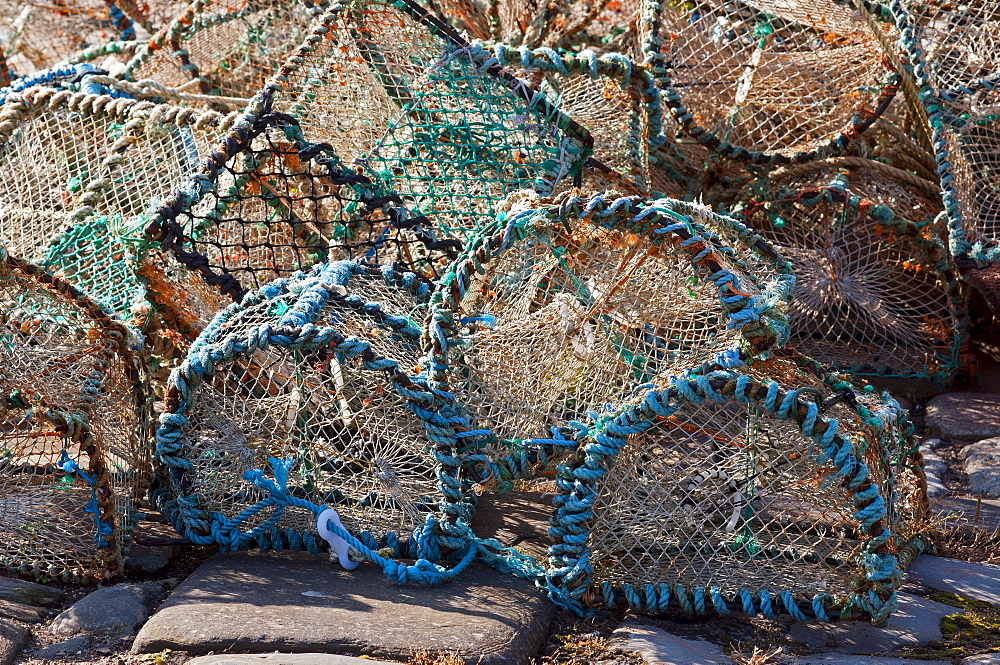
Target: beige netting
{"x":231,"y":49}
{"x":873,"y":290}
{"x":771,"y":79}
{"x":75,"y":430}
{"x":38,"y":35}
{"x":734,"y":493}
{"x":329,"y":406}
{"x":430,"y":115}
{"x":572,"y":310}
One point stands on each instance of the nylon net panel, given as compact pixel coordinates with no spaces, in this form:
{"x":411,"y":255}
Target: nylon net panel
{"x":765,"y":82}
{"x":873,"y":294}
{"x":231,"y":49}
{"x":357,"y":446}
{"x":75,"y":176}
{"x":608,"y":102}
{"x":576,"y":313}
{"x":37,"y":36}
{"x":153,"y":15}
{"x":434,"y":121}
{"x":974,"y":155}
{"x":69,"y":487}
{"x":729,"y":495}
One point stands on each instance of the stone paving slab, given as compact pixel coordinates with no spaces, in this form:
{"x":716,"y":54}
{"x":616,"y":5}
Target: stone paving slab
{"x":658,"y":647}
{"x":284,"y":659}
{"x":855,"y":659}
{"x":982,"y":659}
{"x":297,"y":602}
{"x":116,"y":610}
{"x":917,"y":621}
{"x":966,"y":416}
{"x":980,"y":581}
{"x":29,"y":593}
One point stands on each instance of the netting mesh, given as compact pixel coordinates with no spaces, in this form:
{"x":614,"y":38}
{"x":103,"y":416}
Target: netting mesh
{"x":435,"y":119}
{"x":874,"y":293}
{"x":767,"y":81}
{"x":36,"y":36}
{"x":726,"y":490}
{"x":77,"y":169}
{"x":277,"y":205}
{"x":74,"y":458}
{"x":231,"y":49}
{"x":323,"y":398}
{"x":570,"y":306}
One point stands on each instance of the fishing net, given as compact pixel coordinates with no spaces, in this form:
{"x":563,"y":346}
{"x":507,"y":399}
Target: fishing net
{"x":764,"y":489}
{"x":874,"y":293}
{"x":955,"y":65}
{"x":772,"y":82}
{"x":74,"y":462}
{"x":569,"y":305}
{"x":78,"y":168}
{"x":35,"y":36}
{"x":267,"y":204}
{"x":433,"y":117}
{"x":311,"y":371}
{"x":230,"y":49}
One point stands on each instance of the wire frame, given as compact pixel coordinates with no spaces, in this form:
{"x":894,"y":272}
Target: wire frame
{"x":753,"y":489}
{"x":230,"y":49}
{"x":874,"y":293}
{"x":74,"y":457}
{"x":266,"y":204}
{"x":36,"y":36}
{"x":297,"y":372}
{"x":77,"y":169}
{"x":569,"y":305}
{"x":435,"y":119}
{"x":768,"y":86}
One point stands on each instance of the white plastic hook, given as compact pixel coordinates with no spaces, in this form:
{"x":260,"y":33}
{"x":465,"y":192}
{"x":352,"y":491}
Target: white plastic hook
{"x":337,"y":544}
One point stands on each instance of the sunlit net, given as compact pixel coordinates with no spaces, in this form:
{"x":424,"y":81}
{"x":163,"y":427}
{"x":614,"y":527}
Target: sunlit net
{"x":873,"y":290}
{"x":356,"y":445}
{"x":430,"y":117}
{"x":75,"y":430}
{"x":730,"y":499}
{"x":772,"y":80}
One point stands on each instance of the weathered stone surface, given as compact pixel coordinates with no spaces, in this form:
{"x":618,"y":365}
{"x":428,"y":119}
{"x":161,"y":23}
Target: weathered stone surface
{"x":855,"y":659}
{"x":980,"y":581}
{"x":516,"y":517}
{"x":116,"y":610}
{"x":12,"y":639}
{"x":658,"y":647}
{"x":284,"y":659}
{"x":934,"y":468}
{"x":29,"y":593}
{"x":966,"y":416}
{"x":982,"y":464}
{"x":22,"y":612}
{"x":982,"y":659}
{"x":148,"y":560}
{"x":60,"y":650}
{"x":296,"y":602}
{"x":917,"y":621}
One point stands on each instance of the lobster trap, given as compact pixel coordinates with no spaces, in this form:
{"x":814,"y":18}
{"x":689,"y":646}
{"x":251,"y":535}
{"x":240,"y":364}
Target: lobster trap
{"x":567,"y":305}
{"x":437,"y":120}
{"x":75,"y":424}
{"x":763,"y":489}
{"x":269,"y":203}
{"x":312,"y":372}
{"x":766,"y":82}
{"x":874,"y":292}
{"x":79,"y":169}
